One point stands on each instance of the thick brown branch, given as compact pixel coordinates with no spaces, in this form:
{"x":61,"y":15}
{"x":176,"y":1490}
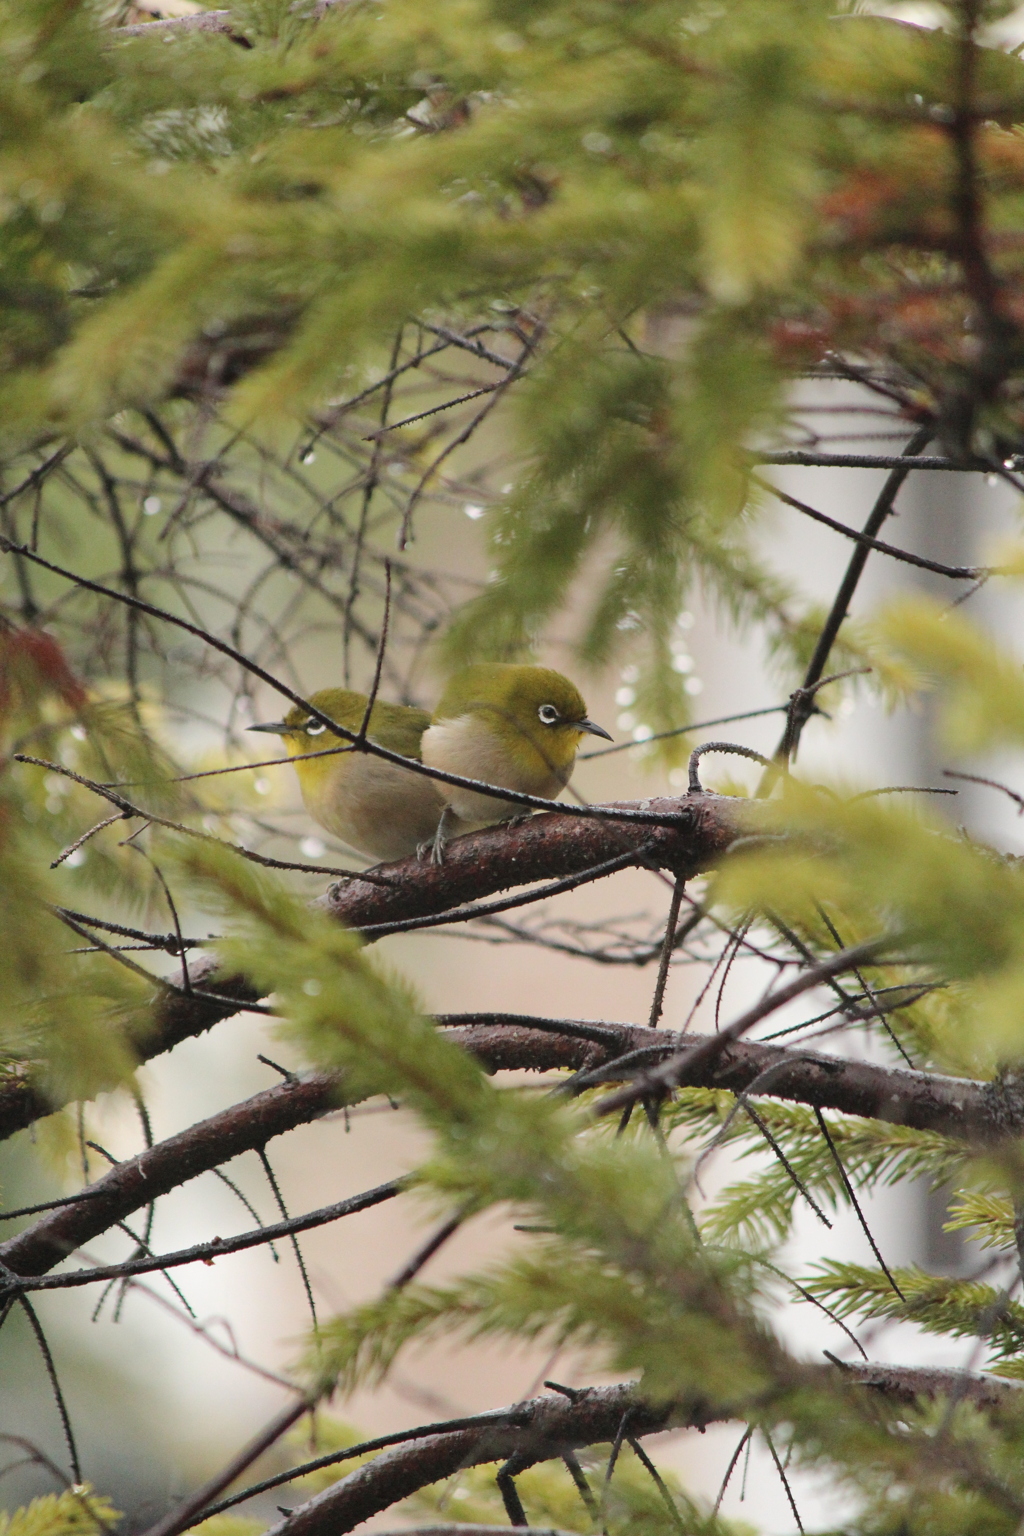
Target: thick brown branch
{"x":548,"y":847}
{"x":133,"y":1184}
{"x":545,"y":847}
{"x":976,"y":1112}
{"x":982,"y":1112}
{"x":547,"y":1427}
{"x":927,"y":1101}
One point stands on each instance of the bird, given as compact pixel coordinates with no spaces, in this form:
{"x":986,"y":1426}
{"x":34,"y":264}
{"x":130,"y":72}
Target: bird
{"x":517,"y":727}
{"x":373,"y":805}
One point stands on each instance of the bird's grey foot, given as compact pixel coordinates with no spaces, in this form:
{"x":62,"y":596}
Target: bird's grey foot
{"x":437,"y":845}
{"x":517,"y":821}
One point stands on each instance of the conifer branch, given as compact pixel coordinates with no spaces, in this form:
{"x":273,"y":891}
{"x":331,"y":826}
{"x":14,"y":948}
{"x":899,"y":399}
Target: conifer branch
{"x":807,"y":458}
{"x":137,"y":1181}
{"x":981,"y":1113}
{"x":545,"y":1427}
{"x":201,"y":1253}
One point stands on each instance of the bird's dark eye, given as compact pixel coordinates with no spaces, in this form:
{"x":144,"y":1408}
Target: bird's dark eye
{"x":315,"y":728}
{"x":548,"y":714}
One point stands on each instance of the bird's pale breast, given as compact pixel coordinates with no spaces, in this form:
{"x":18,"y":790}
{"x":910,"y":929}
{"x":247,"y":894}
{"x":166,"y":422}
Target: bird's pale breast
{"x":467,"y":746}
{"x":376,"y":807}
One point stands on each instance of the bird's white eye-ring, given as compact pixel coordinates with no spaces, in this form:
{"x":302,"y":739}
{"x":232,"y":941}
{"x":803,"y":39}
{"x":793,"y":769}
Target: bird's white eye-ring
{"x":315,"y":728}
{"x":548,"y":714}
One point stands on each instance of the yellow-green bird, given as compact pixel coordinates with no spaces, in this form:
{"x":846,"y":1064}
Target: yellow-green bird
{"x":374,"y":806}
{"x":517,"y":727}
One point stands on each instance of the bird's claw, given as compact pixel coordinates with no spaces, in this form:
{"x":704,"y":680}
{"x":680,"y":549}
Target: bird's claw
{"x":436,"y":845}
{"x":517,"y":821}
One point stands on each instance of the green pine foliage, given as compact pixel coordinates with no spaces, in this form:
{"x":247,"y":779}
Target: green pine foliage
{"x":600,"y":175}
{"x":940,"y":1305}
{"x":643,"y":225}
{"x":75,"y":1512}
{"x":761,"y":1209}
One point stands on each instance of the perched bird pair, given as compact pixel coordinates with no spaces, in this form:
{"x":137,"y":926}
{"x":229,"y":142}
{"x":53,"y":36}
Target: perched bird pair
{"x":515,"y":727}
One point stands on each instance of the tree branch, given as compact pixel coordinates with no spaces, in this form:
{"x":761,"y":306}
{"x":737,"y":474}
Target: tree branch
{"x":202,"y":1253}
{"x":801,"y":713}
{"x":926,"y":1101}
{"x":660,"y":1080}
{"x":548,"y":846}
{"x":134,"y":1183}
{"x":803,"y":456}
{"x":976,"y":1112}
{"x":463,"y":1529}
{"x":547,"y":1427}
{"x":203,"y":21}
{"x":970,"y":1111}
{"x":956,"y":572}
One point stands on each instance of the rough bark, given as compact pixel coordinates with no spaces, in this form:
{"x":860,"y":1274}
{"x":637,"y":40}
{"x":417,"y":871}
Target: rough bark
{"x":927,"y":1101}
{"x":981,"y":1113}
{"x":545,"y":1427}
{"x":548,"y":846}
{"x":139,"y":1180}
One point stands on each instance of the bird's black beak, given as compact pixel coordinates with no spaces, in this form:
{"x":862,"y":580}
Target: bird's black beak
{"x":592,"y":729}
{"x":274,"y":727}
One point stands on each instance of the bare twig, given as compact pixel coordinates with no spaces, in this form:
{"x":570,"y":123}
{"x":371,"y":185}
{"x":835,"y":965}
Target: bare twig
{"x":668,"y":944}
{"x":664,"y":1078}
{"x":847,"y":587}
{"x":202,"y":1253}
{"x":957,"y":572}
{"x":975,"y":778}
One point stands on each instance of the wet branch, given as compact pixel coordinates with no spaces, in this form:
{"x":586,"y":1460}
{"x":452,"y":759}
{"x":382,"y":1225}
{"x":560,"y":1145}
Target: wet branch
{"x":974,"y":1112}
{"x":547,"y":1427}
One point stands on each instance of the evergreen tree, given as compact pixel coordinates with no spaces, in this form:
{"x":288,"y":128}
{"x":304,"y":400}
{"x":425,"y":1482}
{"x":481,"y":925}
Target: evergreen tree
{"x":282,"y":285}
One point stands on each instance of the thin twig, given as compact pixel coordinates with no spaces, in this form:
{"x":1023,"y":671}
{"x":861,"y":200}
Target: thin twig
{"x":730,"y":1469}
{"x":201,"y":1253}
{"x":79,"y":842}
{"x":662,"y":1079}
{"x":682,"y":730}
{"x":847,"y":587}
{"x":783,"y":1478}
{"x":261,"y":1153}
{"x":181,"y":1517}
{"x":668,"y":942}
{"x":506,"y":903}
{"x":58,"y":1395}
{"x":381,"y":648}
{"x":852,"y":1196}
{"x":975,"y":778}
{"x":956,"y":572}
